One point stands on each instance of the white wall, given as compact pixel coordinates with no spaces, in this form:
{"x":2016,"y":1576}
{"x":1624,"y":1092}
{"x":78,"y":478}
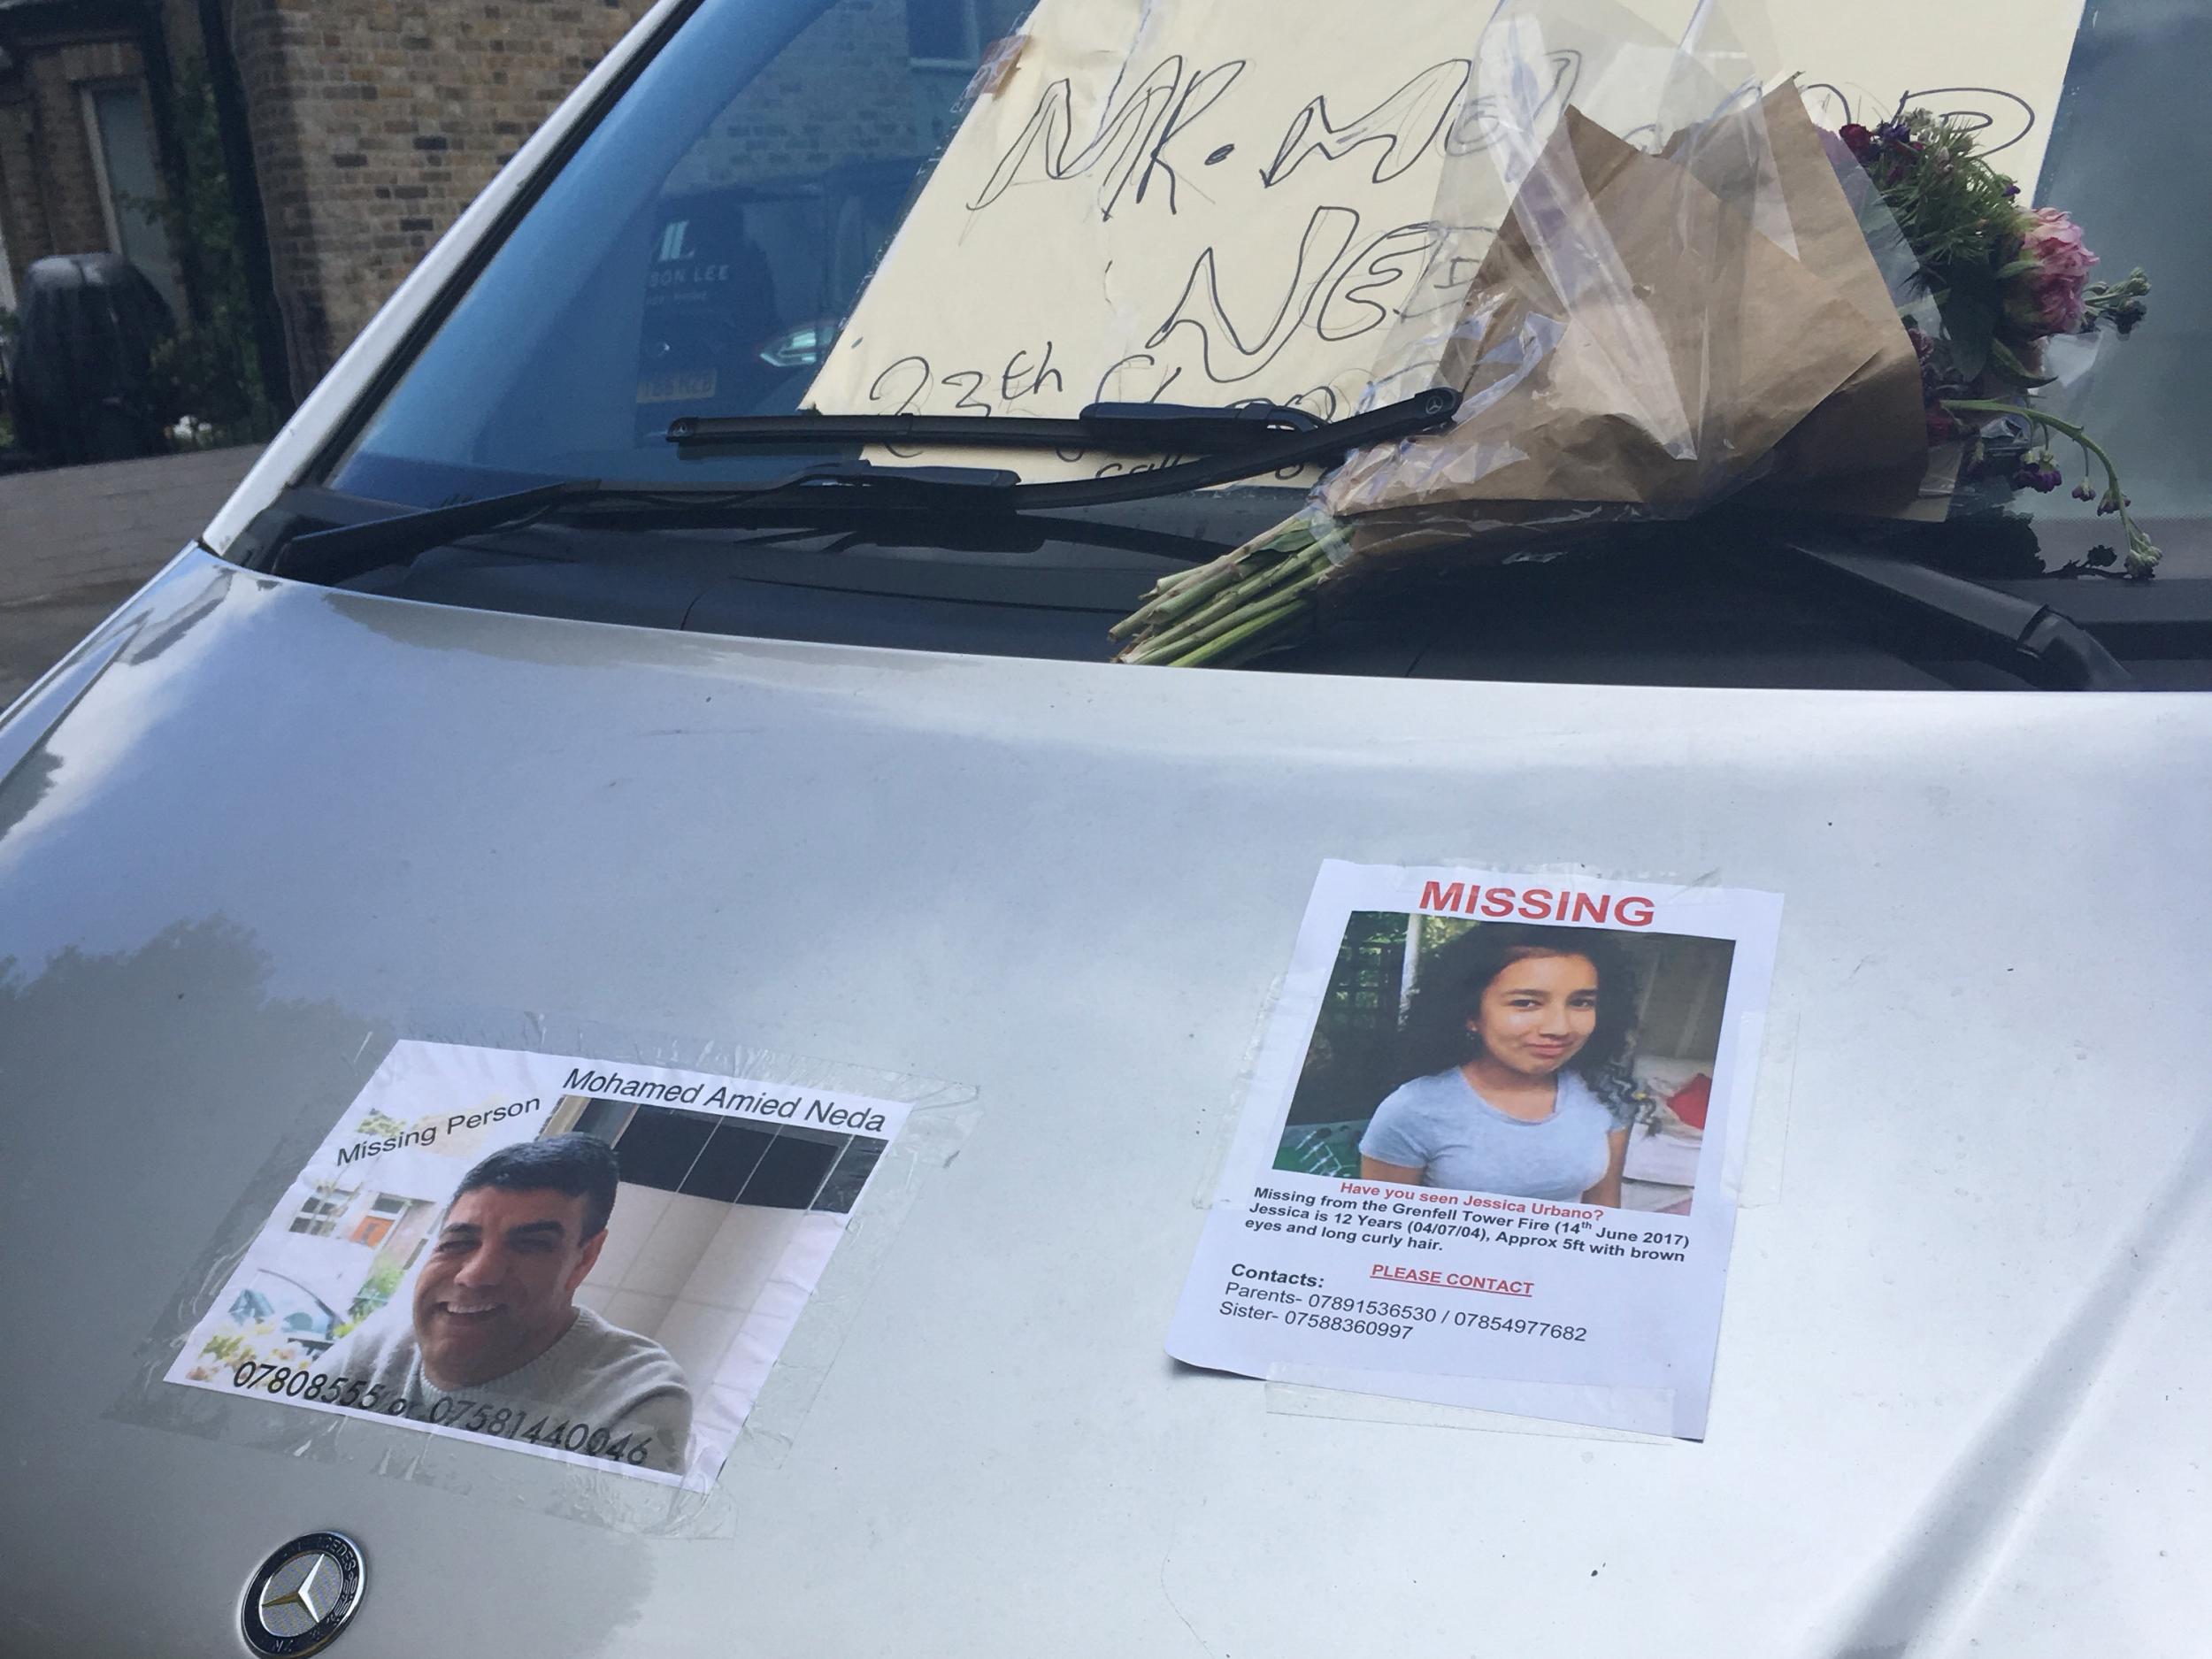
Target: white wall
{"x":686,"y":1272}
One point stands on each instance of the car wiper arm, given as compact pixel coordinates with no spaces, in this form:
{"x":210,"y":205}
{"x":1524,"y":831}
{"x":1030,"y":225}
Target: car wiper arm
{"x":839,"y":487}
{"x":2046,"y":645}
{"x":1325,"y":444}
{"x":1121,"y":429}
{"x":348,"y":550}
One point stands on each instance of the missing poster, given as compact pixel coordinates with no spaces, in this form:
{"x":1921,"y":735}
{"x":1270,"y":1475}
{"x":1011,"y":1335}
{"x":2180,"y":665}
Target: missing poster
{"x":1493,"y":1146}
{"x":563,"y":1257}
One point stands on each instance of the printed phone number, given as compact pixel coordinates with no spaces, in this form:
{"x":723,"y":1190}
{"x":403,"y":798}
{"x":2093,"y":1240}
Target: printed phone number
{"x":1330,"y":1312}
{"x":471,"y":1416}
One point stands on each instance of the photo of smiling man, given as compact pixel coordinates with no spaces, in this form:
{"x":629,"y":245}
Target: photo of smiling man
{"x":493,"y":1321}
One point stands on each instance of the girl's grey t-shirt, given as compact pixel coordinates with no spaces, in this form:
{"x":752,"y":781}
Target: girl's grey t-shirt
{"x":1441,"y":1126}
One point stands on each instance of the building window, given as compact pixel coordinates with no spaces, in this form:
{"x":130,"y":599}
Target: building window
{"x":773,"y":1165}
{"x":122,"y":142}
{"x":944,"y":42}
{"x":944,"y":32}
{"x":319,"y":1216}
{"x":383,"y":1215}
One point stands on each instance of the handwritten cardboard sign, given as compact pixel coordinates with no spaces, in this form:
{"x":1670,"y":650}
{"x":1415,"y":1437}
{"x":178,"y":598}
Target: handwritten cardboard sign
{"x":1216,"y":203}
{"x":1189,"y":203}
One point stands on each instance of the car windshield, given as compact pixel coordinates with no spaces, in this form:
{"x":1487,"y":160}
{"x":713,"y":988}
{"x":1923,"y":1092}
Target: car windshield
{"x":697,"y":256}
{"x":699,"y":252}
{"x":719,"y":239}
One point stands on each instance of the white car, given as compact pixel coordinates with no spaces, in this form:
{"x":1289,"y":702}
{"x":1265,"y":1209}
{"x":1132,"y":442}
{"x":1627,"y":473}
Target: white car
{"x":678,"y":766}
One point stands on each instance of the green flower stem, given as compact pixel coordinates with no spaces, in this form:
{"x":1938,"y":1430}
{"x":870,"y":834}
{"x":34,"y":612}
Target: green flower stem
{"x":1226,"y":632}
{"x":1330,"y":540}
{"x":1173,"y":595}
{"x":1169,"y":583}
{"x":1225,"y":613}
{"x":1182,"y":621}
{"x":1233,"y":599}
{"x":2142,"y":557}
{"x":1180,"y":598}
{"x":1248,"y":633}
{"x":1240,"y":605}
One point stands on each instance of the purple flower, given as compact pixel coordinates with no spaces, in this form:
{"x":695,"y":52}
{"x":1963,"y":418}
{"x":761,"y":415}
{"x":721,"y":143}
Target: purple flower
{"x":2082,"y":492}
{"x":2038,"y":472}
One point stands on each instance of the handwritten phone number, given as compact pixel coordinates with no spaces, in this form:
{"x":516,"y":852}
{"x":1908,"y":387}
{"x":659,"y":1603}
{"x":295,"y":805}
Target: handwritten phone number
{"x":456,"y":1411}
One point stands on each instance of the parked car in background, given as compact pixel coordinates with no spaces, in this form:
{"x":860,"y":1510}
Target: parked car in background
{"x":82,"y":384}
{"x":295,"y":1316}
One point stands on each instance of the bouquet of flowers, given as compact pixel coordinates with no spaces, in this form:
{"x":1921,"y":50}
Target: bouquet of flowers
{"x":1736,"y":303}
{"x":2001,"y":285}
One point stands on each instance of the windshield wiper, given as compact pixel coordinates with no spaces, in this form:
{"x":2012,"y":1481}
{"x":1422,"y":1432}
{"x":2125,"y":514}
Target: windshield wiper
{"x":2044,"y":645}
{"x":1120,"y":429}
{"x":837,"y":489}
{"x":348,"y":550}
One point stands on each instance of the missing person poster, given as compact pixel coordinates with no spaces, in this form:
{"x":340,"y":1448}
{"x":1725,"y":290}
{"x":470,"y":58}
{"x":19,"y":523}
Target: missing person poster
{"x":561,"y":1257}
{"x":1492,"y":1146}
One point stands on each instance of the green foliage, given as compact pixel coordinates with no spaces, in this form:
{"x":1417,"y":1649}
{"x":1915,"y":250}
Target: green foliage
{"x":1960,"y":215}
{"x":375,"y":1292}
{"x":2121,"y":304}
{"x":1956,"y":210}
{"x":211,"y":369}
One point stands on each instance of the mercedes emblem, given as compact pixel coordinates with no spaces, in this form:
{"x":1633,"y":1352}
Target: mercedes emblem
{"x":301,"y":1597}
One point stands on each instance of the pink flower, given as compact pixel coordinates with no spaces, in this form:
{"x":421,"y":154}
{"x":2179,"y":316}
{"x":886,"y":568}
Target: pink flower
{"x":2049,"y":298}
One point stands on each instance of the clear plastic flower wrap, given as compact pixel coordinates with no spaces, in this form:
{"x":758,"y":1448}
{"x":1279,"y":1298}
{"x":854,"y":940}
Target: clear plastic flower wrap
{"x":1654,"y":295}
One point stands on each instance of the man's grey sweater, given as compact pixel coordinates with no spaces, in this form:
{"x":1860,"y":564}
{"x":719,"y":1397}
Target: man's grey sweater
{"x":598,"y":1375}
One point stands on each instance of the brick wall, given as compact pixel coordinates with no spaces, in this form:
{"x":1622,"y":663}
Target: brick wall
{"x":49,"y":189}
{"x":783,"y":123}
{"x":375,"y":122}
{"x":22,"y":206}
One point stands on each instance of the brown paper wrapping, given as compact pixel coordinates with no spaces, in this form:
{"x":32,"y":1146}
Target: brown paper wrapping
{"x":1631,"y":339}
{"x":1869,"y":438}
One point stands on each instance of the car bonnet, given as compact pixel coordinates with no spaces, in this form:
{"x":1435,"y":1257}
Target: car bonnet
{"x":255,"y":829}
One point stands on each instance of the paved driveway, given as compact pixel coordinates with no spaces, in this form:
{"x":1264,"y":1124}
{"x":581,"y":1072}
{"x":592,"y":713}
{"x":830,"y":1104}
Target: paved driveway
{"x":77,"y":542}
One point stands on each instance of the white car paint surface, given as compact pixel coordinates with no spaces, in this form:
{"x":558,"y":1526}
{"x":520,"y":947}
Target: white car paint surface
{"x":257,"y":828}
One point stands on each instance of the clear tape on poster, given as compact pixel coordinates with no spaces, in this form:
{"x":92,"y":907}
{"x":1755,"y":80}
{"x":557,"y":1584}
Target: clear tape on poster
{"x":1382,"y":1228}
{"x":1429,"y":1400}
{"x":823,"y":1284}
{"x":1219,"y":1121}
{"x":1443,"y":1403}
